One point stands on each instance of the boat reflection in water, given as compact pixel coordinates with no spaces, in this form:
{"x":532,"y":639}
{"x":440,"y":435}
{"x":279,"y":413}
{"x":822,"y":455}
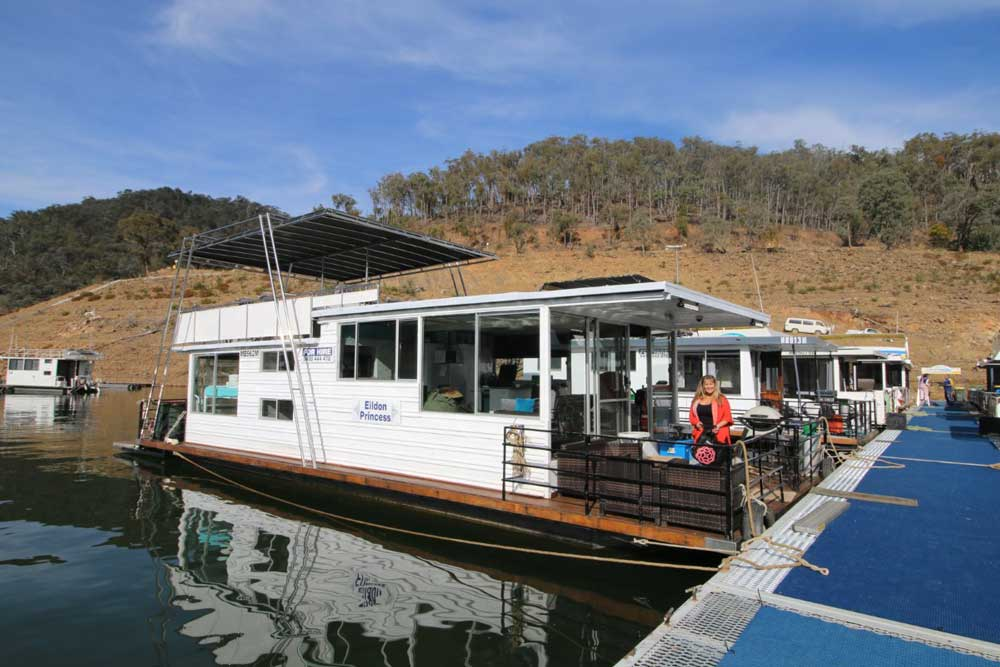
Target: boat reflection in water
{"x":264,"y":589}
{"x":36,"y":410}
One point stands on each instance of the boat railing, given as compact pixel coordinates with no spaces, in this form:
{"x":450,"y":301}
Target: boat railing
{"x":703,"y":487}
{"x":846,"y":417}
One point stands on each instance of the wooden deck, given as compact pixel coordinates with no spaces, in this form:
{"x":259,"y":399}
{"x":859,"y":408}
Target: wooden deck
{"x":548,"y":514}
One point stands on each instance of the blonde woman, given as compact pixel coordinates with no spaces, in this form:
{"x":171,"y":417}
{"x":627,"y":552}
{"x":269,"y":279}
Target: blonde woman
{"x":710,"y":411}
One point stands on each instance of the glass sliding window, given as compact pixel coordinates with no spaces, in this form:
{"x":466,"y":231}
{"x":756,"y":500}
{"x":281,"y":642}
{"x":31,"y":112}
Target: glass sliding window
{"x":406,"y":350}
{"x":872,"y":371}
{"x":568,"y":349}
{"x":377,"y":350}
{"x":725,"y":366}
{"x":204,"y":374}
{"x":348,"y":342}
{"x":611,"y":345}
{"x":216,"y":384}
{"x":274,"y":408}
{"x":507,"y":344}
{"x":274,"y":360}
{"x":227,"y":382}
{"x":31,"y":364}
{"x":15,"y":364}
{"x":691,"y":371}
{"x":448,"y":364}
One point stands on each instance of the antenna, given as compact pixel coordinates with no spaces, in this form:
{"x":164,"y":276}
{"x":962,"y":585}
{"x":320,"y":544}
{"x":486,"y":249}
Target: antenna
{"x":753,"y":268}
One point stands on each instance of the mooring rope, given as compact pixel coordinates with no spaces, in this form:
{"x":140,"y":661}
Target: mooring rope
{"x":795,"y":555}
{"x":444,"y":538}
{"x":887,"y":461}
{"x":875,"y":462}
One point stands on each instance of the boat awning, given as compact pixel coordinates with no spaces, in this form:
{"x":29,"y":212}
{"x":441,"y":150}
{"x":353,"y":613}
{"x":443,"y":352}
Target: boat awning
{"x":661,"y":306}
{"x":330,"y":244}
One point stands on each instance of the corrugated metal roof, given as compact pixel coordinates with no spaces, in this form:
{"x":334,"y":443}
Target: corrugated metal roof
{"x":332,"y":244}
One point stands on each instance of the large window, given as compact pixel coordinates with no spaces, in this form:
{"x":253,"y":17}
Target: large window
{"x":384,"y":350}
{"x":725,"y":366}
{"x":377,"y":350}
{"x":406,"y":350}
{"x":216,"y":384}
{"x":506,"y":343}
{"x":274,"y":360}
{"x":871,"y":371}
{"x":15,"y":364}
{"x":449,"y":366}
{"x":814,"y":375}
{"x":348,"y":342}
{"x":895,"y":374}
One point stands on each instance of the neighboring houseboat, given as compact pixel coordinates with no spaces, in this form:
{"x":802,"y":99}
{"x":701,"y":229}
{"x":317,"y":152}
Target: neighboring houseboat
{"x":515,"y":406}
{"x":754,"y":366}
{"x":987,"y":399}
{"x":873,"y":366}
{"x":51,"y":371}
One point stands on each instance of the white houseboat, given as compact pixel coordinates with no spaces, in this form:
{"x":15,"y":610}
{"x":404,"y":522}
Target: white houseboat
{"x":873,"y":365}
{"x":987,"y":399}
{"x":494,"y":404}
{"x":50,"y":371}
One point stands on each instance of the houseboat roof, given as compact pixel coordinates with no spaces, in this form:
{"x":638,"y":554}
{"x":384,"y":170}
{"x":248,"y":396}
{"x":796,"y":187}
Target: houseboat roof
{"x":72,"y":355}
{"x":330,"y":244}
{"x":658,"y":305}
{"x":596,"y":282}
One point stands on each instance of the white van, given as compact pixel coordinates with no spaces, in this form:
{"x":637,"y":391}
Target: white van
{"x":800,"y":325}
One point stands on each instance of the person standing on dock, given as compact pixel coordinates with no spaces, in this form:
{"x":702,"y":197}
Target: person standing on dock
{"x":924,"y":391}
{"x":949,"y":392}
{"x":710,"y":411}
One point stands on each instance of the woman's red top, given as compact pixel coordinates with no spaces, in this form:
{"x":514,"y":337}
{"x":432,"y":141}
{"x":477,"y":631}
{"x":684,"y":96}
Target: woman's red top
{"x":720,"y":412}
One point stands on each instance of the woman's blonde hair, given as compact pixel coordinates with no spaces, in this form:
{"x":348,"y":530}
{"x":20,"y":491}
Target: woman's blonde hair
{"x":700,"y":391}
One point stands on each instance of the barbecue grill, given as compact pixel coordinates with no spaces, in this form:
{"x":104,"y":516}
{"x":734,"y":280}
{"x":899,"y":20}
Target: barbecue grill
{"x":761,"y":420}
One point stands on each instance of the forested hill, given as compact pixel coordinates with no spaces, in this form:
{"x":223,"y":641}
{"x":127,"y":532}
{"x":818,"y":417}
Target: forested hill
{"x":940,"y":190}
{"x":60,"y":248}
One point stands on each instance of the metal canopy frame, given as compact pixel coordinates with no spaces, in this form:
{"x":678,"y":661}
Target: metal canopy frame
{"x":330,"y":244}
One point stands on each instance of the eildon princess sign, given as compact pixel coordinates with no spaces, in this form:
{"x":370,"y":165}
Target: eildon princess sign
{"x":376,"y":411}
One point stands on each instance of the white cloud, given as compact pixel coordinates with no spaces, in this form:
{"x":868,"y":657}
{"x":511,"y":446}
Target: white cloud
{"x":777,"y":129}
{"x":434,"y":34}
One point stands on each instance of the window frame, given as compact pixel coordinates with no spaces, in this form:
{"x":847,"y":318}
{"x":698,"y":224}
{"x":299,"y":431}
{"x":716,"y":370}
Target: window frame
{"x":215,"y":381}
{"x":279,"y":359}
{"x":277,"y":409}
{"x":398,"y":322}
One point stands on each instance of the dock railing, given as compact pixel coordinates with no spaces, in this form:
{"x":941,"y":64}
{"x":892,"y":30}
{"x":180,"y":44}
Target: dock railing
{"x":611,"y":476}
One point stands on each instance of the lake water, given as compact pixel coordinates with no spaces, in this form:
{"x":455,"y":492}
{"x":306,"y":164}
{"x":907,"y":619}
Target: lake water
{"x":104,"y":561}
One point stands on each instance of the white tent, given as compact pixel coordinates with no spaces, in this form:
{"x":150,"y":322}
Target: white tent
{"x":940,"y":369}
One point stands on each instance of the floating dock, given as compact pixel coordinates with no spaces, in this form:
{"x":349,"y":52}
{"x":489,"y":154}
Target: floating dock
{"x":912,"y":560}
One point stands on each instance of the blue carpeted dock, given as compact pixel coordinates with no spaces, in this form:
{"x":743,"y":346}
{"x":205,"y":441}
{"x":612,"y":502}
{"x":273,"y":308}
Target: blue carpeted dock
{"x":907,"y":585}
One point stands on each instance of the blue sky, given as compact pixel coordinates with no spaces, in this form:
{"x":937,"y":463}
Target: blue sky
{"x":289,"y":101}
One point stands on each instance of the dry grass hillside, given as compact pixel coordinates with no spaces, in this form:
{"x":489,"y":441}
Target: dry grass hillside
{"x":947,"y":303}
